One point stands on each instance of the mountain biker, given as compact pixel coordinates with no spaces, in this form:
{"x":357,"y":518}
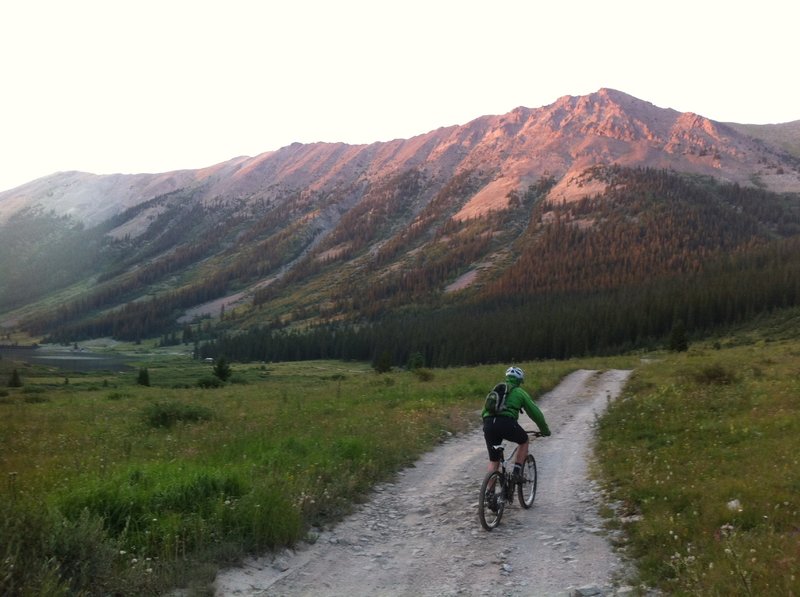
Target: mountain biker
{"x":504,"y":425}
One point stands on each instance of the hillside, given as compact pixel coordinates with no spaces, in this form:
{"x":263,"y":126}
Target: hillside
{"x":786,"y":135}
{"x":589,"y":194}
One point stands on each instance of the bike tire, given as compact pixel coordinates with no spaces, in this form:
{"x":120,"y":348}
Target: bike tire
{"x":488,"y":516}
{"x":526,"y":491}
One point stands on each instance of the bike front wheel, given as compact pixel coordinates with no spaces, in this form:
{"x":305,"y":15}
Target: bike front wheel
{"x":490,"y":501}
{"x":526,"y":491}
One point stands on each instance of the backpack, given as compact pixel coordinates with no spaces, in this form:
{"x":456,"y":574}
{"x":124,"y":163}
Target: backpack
{"x":495,"y":402}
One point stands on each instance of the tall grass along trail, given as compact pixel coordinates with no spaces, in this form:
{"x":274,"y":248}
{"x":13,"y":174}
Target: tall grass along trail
{"x":420,"y":534}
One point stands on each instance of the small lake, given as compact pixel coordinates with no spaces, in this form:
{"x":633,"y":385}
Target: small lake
{"x":68,"y":360}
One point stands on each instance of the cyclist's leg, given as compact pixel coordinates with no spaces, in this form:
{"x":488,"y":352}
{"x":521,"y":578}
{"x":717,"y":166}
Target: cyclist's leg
{"x":493,"y":434}
{"x":522,"y":453}
{"x":515,"y":433}
{"x":493,"y":438}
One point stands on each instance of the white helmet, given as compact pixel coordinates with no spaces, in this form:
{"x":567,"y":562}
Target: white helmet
{"x":515,"y":372}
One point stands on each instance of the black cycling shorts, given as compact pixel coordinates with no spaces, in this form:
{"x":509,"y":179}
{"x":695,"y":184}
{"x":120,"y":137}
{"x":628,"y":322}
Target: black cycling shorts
{"x":497,"y":429}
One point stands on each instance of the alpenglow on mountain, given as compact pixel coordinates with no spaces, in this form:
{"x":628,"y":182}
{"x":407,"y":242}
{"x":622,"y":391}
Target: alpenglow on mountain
{"x":329,"y":232}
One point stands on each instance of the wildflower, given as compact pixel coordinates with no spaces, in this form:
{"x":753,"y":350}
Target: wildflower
{"x":735,"y":505}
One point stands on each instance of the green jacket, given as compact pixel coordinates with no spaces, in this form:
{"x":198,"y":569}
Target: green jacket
{"x":518,"y":399}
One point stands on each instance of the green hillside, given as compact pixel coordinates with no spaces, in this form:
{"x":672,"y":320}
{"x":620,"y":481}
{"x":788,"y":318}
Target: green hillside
{"x":607,"y":273}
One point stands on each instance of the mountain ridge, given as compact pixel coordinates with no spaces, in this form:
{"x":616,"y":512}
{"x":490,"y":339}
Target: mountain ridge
{"x":583,"y":195}
{"x":561,"y":139}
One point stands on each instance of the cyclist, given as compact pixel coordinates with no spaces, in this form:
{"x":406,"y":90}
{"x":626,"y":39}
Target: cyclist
{"x":504,"y":425}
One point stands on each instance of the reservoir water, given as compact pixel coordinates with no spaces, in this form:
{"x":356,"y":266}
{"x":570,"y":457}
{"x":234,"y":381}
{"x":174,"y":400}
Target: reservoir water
{"x":69,"y":360}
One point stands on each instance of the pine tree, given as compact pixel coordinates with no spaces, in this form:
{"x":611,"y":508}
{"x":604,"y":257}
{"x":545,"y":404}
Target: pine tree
{"x":383,"y":363}
{"x":144,"y":377}
{"x":677,"y":338}
{"x":15,"y":381}
{"x":416,"y":361}
{"x":222,"y":369}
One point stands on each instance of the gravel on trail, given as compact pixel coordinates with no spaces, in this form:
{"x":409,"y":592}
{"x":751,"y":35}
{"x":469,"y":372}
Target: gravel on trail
{"x":420,"y":535}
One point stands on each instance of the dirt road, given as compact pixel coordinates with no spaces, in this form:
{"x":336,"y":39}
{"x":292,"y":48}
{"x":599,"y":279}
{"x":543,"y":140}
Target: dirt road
{"x":420,"y":535}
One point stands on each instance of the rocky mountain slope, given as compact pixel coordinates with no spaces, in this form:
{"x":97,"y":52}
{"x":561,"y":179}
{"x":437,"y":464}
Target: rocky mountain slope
{"x":325,"y":231}
{"x":560,"y":140}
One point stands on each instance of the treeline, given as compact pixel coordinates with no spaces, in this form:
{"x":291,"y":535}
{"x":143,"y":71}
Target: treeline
{"x":730,"y":290}
{"x":136,"y":320}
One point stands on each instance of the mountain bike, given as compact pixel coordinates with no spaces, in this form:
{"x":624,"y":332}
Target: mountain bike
{"x":497,"y":489}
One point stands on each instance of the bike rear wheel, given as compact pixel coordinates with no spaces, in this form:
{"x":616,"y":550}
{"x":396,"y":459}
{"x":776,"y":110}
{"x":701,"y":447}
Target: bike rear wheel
{"x":491,"y":501}
{"x":526,"y":491}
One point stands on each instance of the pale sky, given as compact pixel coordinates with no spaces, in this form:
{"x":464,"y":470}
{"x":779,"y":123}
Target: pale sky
{"x":107,"y":86}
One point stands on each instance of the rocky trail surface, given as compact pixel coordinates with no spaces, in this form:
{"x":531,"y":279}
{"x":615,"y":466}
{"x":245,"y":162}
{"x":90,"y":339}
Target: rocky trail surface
{"x":420,"y":534}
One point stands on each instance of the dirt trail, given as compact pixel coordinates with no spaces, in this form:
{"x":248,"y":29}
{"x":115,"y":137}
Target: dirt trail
{"x":420,"y":535}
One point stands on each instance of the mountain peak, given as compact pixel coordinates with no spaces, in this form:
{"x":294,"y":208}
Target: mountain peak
{"x":559,"y":140}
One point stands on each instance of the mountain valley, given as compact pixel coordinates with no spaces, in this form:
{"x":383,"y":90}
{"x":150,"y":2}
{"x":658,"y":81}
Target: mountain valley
{"x":591,"y":201}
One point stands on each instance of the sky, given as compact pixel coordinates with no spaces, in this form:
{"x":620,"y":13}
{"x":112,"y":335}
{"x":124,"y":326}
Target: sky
{"x":119,"y":86}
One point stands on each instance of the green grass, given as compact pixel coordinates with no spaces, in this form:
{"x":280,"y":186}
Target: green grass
{"x":120,"y":488}
{"x":702,"y":454}
{"x":700,"y":457}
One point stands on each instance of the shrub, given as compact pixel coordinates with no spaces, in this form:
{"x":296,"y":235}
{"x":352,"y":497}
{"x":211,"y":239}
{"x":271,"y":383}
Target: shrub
{"x":43,"y":554}
{"x":715,"y":374}
{"x":210,"y":382}
{"x":166,"y":414}
{"x":423,"y":374}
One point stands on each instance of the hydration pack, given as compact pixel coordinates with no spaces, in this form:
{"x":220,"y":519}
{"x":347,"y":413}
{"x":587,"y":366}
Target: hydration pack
{"x":495,"y":402}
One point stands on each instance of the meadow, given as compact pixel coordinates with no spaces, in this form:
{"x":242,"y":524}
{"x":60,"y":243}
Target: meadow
{"x":701,"y":458}
{"x":110,"y":487}
{"x":114,"y":487}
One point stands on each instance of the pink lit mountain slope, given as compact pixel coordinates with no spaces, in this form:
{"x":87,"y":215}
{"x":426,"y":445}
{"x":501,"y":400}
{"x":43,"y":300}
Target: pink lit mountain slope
{"x":560,"y":140}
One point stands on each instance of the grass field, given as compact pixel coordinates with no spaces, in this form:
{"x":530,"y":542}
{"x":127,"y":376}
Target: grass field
{"x":702,"y":455}
{"x":113,"y":487}
{"x":118,"y":487}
